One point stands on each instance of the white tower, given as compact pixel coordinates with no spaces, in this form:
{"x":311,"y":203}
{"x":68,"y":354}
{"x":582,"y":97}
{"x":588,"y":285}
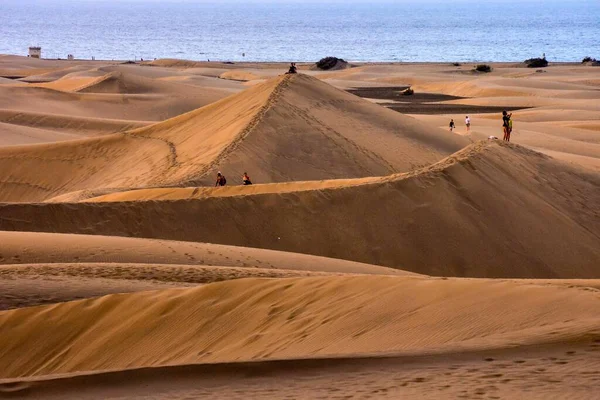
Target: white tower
{"x":35,"y":52}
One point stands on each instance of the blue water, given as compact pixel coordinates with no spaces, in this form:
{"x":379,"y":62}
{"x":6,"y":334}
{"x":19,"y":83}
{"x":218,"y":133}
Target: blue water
{"x":375,"y":30}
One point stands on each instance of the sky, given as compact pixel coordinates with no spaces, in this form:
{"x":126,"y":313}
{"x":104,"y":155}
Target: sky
{"x":541,"y":2}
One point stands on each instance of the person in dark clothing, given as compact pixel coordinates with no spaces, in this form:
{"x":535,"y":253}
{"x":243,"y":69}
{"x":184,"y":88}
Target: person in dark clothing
{"x":246,"y":179}
{"x":452,"y":125}
{"x":221,"y":181}
{"x":506,"y":125}
{"x":293,"y":69}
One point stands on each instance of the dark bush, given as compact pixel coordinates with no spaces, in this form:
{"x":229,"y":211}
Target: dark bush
{"x":536,"y":63}
{"x":408,"y":92}
{"x":329,"y":63}
{"x":456,"y":64}
{"x":588,"y":59}
{"x":483,"y":68}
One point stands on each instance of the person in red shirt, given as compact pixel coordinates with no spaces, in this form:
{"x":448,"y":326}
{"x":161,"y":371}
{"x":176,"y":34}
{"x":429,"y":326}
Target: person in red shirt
{"x":246,"y":179}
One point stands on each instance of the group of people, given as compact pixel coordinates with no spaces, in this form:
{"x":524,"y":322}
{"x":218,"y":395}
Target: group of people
{"x":222,"y":181}
{"x":467,"y":124}
{"x":507,"y":125}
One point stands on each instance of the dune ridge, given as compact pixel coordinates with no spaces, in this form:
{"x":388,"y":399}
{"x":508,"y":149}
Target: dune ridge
{"x":274,"y":319}
{"x":234,"y":132}
{"x":460,"y":217}
{"x":27,"y":248}
{"x":67,"y":123}
{"x":40,"y":268}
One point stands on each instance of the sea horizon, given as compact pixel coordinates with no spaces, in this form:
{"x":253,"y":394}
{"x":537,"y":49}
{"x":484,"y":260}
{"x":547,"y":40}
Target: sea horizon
{"x":381,"y":31}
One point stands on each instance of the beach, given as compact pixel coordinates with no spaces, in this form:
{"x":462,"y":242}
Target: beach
{"x":376,"y":254}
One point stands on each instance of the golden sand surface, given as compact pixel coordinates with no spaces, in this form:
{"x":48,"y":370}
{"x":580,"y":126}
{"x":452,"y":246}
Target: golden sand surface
{"x":376,"y":255}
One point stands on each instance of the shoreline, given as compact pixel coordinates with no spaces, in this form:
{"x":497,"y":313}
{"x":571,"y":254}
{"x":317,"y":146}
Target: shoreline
{"x":300,"y":63}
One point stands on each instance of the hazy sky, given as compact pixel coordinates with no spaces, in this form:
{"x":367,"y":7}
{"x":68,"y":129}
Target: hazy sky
{"x":289,"y":1}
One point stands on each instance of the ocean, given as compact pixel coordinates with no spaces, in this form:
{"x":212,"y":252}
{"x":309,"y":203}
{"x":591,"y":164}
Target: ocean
{"x":409,"y":30}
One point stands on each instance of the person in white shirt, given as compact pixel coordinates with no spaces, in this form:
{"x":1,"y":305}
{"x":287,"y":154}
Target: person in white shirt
{"x":468,"y":123}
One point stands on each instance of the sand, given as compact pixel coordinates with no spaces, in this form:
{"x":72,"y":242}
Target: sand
{"x":42,"y":268}
{"x":540,"y":372}
{"x":273,"y":129}
{"x":463,"y":216}
{"x":254,"y":319}
{"x":377,"y":254}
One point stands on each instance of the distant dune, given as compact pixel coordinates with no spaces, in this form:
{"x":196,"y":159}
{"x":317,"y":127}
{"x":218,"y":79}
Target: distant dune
{"x":290,"y":128}
{"x":24,"y":248}
{"x":42,"y":268}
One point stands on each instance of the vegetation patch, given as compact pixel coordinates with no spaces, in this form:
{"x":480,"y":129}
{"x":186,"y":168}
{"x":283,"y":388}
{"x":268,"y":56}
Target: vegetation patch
{"x":536,"y":63}
{"x":483,"y":68}
{"x":329,"y":63}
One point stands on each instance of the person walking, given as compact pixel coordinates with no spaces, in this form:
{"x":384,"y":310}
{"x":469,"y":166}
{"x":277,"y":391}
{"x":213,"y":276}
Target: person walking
{"x":452,"y":125}
{"x":468,"y":123}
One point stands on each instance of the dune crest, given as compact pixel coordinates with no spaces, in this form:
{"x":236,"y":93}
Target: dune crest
{"x":273,"y":319}
{"x":289,"y":128}
{"x":25,"y":248}
{"x":463,"y":216}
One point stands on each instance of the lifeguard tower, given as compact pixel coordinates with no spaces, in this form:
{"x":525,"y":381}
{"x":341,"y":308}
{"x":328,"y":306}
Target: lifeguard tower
{"x":35,"y":52}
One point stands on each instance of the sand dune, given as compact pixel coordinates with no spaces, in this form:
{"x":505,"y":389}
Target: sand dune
{"x":275,"y":319}
{"x":34,"y":248}
{"x":139,"y":107}
{"x":19,"y":67}
{"x":64,"y":73}
{"x":563,"y":371}
{"x":290,"y":128}
{"x":239,"y":75}
{"x":461,"y":217}
{"x":208,"y":192}
{"x":75,"y":127}
{"x":11,"y":82}
{"x":70,"y":84}
{"x":28,"y":285}
{"x":11,"y":135}
{"x":127,"y":83}
{"x":262,"y":314}
{"x":312,"y":131}
{"x":509,"y":88}
{"x":67,"y":79}
{"x":38,"y":268}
